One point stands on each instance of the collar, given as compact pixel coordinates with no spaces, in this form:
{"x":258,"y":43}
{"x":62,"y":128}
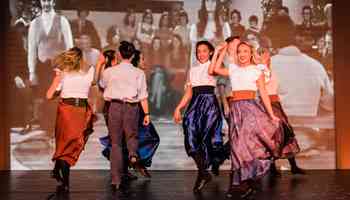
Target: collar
{"x":204,"y":64}
{"x":50,"y":14}
{"x":123,"y":63}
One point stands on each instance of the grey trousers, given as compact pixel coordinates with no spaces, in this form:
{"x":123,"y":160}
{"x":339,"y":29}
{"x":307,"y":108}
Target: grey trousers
{"x":122,"y":119}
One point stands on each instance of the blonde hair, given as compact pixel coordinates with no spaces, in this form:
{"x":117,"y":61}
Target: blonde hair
{"x":71,"y":61}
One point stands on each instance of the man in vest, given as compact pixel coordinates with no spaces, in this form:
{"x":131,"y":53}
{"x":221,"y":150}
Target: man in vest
{"x":49,"y":35}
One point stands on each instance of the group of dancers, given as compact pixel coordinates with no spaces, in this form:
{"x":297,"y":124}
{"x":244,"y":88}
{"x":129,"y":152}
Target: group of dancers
{"x":259,"y":132}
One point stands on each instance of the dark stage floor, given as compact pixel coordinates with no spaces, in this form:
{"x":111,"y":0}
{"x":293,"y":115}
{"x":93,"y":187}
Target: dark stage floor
{"x":168,"y":185}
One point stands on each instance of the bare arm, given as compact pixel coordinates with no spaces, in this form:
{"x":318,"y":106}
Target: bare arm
{"x":215,"y":67}
{"x":222,"y":93}
{"x":52,"y":91}
{"x":144,"y":99}
{"x":184,"y":101}
{"x":145,"y":108}
{"x":100,"y":66}
{"x":265,"y":98}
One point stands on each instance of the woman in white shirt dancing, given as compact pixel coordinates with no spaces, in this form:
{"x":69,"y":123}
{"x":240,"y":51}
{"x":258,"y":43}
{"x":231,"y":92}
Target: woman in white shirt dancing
{"x":251,"y":125}
{"x":74,"y":115}
{"x":202,"y":121}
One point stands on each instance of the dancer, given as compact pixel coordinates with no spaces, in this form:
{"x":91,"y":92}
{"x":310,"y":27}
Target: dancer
{"x":252,"y":127}
{"x":289,"y":145}
{"x":147,"y":135}
{"x":74,"y":115}
{"x":125,"y":87}
{"x":202,"y":120}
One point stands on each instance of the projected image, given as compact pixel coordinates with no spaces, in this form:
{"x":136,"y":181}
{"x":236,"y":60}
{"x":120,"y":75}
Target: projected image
{"x":166,"y":33}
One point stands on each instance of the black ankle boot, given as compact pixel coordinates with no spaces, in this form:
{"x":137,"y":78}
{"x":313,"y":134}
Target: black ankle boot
{"x":274,"y":171}
{"x":65,"y":174}
{"x":294,"y":167}
{"x":56,"y":172}
{"x":203,"y":176}
{"x":201,"y":181}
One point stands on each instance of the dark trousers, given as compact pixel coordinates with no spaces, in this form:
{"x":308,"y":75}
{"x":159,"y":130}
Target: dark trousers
{"x":122,"y":123}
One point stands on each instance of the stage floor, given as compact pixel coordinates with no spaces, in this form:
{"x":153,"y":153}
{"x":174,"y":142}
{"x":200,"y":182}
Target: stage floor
{"x":169,"y":185}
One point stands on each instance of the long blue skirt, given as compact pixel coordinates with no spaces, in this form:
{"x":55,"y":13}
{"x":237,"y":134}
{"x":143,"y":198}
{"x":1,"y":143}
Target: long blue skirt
{"x":202,"y":126}
{"x":148,"y":143}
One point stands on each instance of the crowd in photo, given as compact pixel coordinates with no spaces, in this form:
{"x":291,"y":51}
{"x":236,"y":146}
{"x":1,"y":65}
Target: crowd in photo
{"x":168,"y":46}
{"x":161,"y":66}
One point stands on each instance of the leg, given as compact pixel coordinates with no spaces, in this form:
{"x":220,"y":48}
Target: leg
{"x":294,"y":167}
{"x":274,"y":171}
{"x":203,"y":176}
{"x":127,"y":175}
{"x":130,"y":125}
{"x":131,"y":136}
{"x":115,"y":133}
{"x":56,"y":172}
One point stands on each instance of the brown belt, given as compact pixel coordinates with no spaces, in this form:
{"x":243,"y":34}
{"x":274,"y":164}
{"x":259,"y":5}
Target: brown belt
{"x":124,"y":102}
{"x":274,"y":98}
{"x":242,"y":95}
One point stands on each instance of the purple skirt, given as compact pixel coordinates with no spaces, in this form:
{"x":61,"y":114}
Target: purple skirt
{"x":286,"y":138}
{"x":252,"y":137}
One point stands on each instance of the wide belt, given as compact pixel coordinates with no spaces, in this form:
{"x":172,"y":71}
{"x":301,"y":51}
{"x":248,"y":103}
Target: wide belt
{"x":242,"y":95}
{"x":274,"y":98}
{"x":78,"y":102}
{"x":203,"y":90}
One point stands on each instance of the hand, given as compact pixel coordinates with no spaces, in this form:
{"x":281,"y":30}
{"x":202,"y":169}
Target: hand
{"x":226,"y":109}
{"x":256,"y":57}
{"x":221,"y":47}
{"x":177,"y":116}
{"x":58,"y":77}
{"x":146,"y":120}
{"x":57,"y":71}
{"x":236,"y":42}
{"x":33,"y":79}
{"x":275,"y":119}
{"x":265,"y":58}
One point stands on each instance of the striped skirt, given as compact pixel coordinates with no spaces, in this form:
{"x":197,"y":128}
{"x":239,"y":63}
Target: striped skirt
{"x":252,"y":137}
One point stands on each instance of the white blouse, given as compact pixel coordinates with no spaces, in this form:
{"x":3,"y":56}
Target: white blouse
{"x":244,"y":78}
{"x":76,"y":85}
{"x":199,"y":75}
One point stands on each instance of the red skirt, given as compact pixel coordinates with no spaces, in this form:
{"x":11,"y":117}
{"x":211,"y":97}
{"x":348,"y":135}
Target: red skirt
{"x":73,"y":126}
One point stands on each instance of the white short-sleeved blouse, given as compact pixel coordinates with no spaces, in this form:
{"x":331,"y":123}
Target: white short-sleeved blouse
{"x":199,"y":75}
{"x":244,"y":78}
{"x":76,"y":85}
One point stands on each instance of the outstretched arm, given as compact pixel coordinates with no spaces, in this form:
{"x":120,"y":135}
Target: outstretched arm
{"x":265,"y":98}
{"x":184,"y":101}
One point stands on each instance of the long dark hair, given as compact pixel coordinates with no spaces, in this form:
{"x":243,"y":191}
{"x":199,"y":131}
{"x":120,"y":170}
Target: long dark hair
{"x":136,"y":59}
{"x":126,"y":18}
{"x":203,"y":20}
{"x":109,"y":56}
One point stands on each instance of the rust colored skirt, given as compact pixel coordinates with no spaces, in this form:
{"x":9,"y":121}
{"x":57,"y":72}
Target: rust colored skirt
{"x":73,"y":126}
